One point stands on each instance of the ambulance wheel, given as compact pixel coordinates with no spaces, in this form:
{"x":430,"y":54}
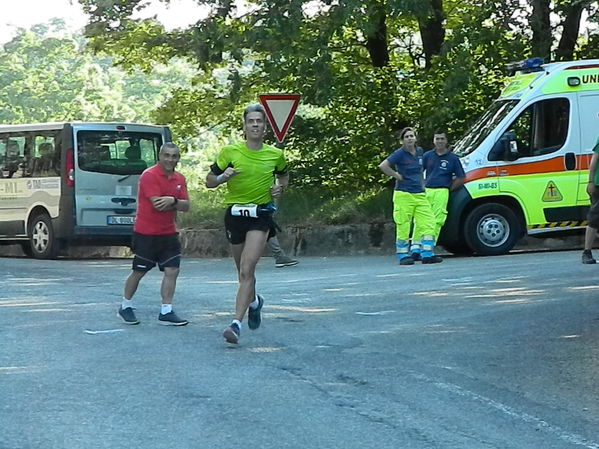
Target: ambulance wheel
{"x":492,"y":229}
{"x":42,"y":243}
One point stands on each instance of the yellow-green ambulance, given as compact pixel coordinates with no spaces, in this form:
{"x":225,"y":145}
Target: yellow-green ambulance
{"x":527,"y":158}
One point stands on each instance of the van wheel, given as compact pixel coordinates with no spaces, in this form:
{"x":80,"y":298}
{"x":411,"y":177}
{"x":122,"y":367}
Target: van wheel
{"x":492,"y":229}
{"x":42,"y":242}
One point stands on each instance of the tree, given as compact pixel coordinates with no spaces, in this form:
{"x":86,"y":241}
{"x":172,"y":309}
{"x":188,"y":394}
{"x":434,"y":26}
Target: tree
{"x":572,"y":15}
{"x":365,"y":68}
{"x":46,"y":78}
{"x":541,"y":28}
{"x":432,"y":30}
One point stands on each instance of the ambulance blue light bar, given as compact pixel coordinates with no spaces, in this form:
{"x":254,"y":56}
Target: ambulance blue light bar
{"x":525,"y":66}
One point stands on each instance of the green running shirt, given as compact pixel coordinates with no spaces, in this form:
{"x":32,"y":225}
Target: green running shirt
{"x":596,"y":150}
{"x":257,"y":169}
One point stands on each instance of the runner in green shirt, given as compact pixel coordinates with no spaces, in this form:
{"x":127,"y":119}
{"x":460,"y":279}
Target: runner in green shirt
{"x":255,"y":173}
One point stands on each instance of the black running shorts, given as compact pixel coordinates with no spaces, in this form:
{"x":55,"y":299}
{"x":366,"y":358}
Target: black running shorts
{"x":152,"y":250}
{"x":237,"y":227}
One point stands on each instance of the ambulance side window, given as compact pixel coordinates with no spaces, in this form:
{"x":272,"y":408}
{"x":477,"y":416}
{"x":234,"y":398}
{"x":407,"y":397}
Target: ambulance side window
{"x":522,"y":130}
{"x":542,"y":128}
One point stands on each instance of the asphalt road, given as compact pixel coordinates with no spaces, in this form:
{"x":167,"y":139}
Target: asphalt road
{"x":484,"y":352}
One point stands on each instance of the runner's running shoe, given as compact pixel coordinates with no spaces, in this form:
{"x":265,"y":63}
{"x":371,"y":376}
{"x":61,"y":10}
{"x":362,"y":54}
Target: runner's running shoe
{"x":231,"y":333}
{"x":254,"y":317}
{"x":127,"y":315}
{"x":171,"y":319}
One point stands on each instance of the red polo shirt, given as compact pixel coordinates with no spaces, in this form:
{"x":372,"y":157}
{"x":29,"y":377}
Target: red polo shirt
{"x":154,"y":182}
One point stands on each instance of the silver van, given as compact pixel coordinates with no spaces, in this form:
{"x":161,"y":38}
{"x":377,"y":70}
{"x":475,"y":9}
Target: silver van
{"x":72,"y":183}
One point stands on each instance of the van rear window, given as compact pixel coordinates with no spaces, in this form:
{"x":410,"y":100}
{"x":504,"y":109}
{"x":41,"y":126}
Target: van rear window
{"x":118,"y":153}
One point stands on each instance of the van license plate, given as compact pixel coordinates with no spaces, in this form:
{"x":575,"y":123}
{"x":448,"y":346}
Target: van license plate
{"x":120,"y":219}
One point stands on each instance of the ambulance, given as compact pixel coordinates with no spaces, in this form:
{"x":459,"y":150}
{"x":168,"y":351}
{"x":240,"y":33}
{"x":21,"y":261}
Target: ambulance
{"x":526,"y":159}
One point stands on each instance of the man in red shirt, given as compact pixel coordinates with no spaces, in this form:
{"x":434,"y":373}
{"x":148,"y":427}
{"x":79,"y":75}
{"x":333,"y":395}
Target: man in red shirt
{"x":161,"y":193}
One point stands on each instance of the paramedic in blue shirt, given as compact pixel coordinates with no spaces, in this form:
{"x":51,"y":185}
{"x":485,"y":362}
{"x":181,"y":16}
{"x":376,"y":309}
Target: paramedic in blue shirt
{"x":409,"y":200}
{"x":444,"y":174}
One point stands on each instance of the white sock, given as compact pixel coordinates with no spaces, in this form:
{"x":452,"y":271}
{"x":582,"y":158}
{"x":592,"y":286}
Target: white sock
{"x":127,"y":303}
{"x":255,"y":303}
{"x":166,"y":308}
{"x":237,"y":322}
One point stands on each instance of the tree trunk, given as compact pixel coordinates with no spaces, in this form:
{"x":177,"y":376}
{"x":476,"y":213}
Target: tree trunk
{"x":541,"y":29}
{"x":376,"y":38}
{"x":571,"y":26}
{"x":432,"y":31}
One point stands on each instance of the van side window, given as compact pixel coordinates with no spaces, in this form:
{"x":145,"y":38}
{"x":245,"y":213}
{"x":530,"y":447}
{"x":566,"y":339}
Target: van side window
{"x":46,"y":157}
{"x":13,"y":158}
{"x":542,"y":128}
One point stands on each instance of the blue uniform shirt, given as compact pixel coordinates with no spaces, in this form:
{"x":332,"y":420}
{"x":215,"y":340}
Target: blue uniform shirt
{"x":410,"y":168}
{"x":440,"y":170}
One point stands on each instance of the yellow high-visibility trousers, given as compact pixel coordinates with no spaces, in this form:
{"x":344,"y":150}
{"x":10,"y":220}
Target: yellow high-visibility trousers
{"x":437,"y":198}
{"x":408,"y":207}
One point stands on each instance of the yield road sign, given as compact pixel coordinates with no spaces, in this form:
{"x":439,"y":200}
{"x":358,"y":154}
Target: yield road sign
{"x":280,"y":109}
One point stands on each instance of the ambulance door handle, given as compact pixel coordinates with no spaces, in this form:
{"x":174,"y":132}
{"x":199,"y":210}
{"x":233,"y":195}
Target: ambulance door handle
{"x":570,"y":161}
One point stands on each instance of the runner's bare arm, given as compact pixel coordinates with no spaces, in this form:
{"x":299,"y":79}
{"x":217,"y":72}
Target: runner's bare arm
{"x":213,"y":180}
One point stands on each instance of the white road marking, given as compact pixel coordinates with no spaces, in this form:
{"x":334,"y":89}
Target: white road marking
{"x":560,"y":433}
{"x":107,"y":331}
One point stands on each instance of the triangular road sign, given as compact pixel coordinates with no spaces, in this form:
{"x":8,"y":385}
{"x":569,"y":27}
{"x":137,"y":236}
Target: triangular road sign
{"x":280,"y":109}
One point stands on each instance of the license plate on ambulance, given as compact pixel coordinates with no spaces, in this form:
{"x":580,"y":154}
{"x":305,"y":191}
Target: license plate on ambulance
{"x":120,"y":219}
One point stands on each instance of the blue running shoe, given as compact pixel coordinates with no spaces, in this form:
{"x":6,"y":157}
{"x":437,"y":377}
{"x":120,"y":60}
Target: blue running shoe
{"x":231,"y":333}
{"x":127,"y":315}
{"x":254,"y":316}
{"x":171,"y":319}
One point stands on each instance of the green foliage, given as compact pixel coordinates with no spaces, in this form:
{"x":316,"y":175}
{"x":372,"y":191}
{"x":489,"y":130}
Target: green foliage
{"x":310,"y":206}
{"x":359,"y":66}
{"x":300,"y":207}
{"x":206,"y":211}
{"x":351,"y":106}
{"x":46,"y":78}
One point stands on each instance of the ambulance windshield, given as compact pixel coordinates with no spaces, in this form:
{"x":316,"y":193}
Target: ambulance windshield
{"x":483,"y":127}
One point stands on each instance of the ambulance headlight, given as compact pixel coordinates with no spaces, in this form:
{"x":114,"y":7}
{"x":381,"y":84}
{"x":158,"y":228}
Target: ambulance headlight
{"x":573,"y":81}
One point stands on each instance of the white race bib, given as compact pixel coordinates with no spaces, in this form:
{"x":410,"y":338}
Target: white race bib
{"x":244,"y":210}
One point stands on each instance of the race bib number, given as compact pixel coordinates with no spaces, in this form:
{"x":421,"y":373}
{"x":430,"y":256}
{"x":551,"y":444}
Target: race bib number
{"x":244,"y":210}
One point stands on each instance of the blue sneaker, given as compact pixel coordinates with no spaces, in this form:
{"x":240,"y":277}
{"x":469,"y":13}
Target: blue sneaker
{"x":127,"y":315}
{"x":171,"y":319}
{"x":254,"y":317}
{"x":231,"y":333}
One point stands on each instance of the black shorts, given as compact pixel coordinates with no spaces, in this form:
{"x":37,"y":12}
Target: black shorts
{"x":152,"y":250}
{"x":593,"y":215}
{"x":237,"y":227}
